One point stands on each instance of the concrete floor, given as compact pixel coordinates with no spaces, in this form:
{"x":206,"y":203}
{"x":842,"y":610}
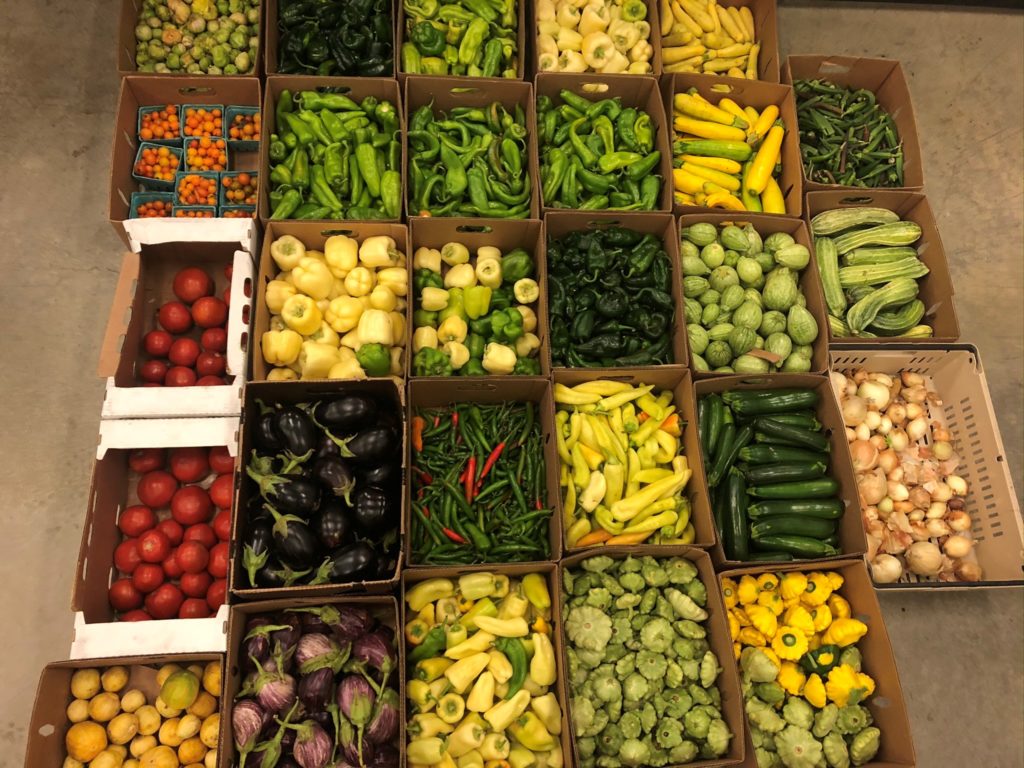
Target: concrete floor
{"x":961,"y":656}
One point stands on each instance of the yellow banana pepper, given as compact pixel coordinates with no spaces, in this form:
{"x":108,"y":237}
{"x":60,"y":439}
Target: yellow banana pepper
{"x":614,"y":480}
{"x":566,"y":396}
{"x":467,"y":737}
{"x":313,"y":278}
{"x":648,"y":512}
{"x":575,"y":427}
{"x":650,"y":405}
{"x":375,"y":328}
{"x":580,"y":468}
{"x":529,"y":731}
{"x":617,"y":399}
{"x":421,"y":594}
{"x":425,"y":751}
{"x":630,"y":507}
{"x":463,"y":672}
{"x":520,"y":757}
{"x":535,"y":589}
{"x":281,"y":347}
{"x":419,"y":693}
{"x":428,"y":670}
{"x":592,"y":457}
{"x":478,"y":643}
{"x":495,"y":747}
{"x":378,"y":251}
{"x":844,"y":632}
{"x":668,"y":446}
{"x":513,"y":606}
{"x":474,"y":586}
{"x":511,"y":627}
{"x":503,"y":714}
{"x":499,"y":666}
{"x":278,"y":292}
{"x":481,"y":697}
{"x":301,"y":314}
{"x":603,"y":517}
{"x":287,"y":251}
{"x":455,"y":634}
{"x":550,"y":713}
{"x":542,"y":665}
{"x":341,"y":254}
{"x":577,"y":530}
{"x":423,"y":726}
{"x":594,"y":492}
{"x":316,"y":359}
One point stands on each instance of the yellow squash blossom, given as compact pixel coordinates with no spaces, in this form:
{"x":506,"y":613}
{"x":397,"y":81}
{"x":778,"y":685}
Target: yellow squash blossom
{"x":747,"y":590}
{"x":818,"y":589}
{"x":848,"y":686}
{"x":764,"y":620}
{"x":844,"y":632}
{"x":814,"y":691}
{"x":791,"y":678}
{"x":789,"y":643}
{"x":799,"y":617}
{"x":792,"y":585}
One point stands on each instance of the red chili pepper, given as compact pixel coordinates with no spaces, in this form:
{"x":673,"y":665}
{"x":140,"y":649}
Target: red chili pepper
{"x":468,"y":480}
{"x":455,"y":426}
{"x":537,"y":504}
{"x":424,"y":477}
{"x":437,"y":421}
{"x":453,"y":536}
{"x":489,"y":463}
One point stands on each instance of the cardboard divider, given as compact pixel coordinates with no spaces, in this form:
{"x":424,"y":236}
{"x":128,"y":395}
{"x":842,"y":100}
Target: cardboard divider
{"x":430,"y":232}
{"x":557,"y":224}
{"x":49,"y":722}
{"x":356,"y":88}
{"x":718,"y":638}
{"x":884,"y":78}
{"x":936,"y":288}
{"x":886,"y":705}
{"x":756,"y":94}
{"x":313,"y":235}
{"x":851,"y":534}
{"x":446,"y":93}
{"x":681,"y":384}
{"x":382,"y":607}
{"x":636,"y":91}
{"x":956,"y":373}
{"x":153,"y":90}
{"x":291,"y":393}
{"x":810,"y":281}
{"x":431,"y":393}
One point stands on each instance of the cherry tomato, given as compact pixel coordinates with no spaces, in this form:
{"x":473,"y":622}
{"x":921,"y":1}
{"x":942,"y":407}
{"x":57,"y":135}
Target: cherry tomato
{"x":180,"y":376}
{"x":146,"y":459}
{"x":209,"y":312}
{"x":221,"y":491}
{"x":171,"y":567}
{"x":184,"y":352}
{"x":124,"y":596}
{"x":210,"y":381}
{"x":192,"y":283}
{"x":139,"y":615}
{"x":172,"y":529}
{"x":157,"y":343}
{"x":126,"y":556}
{"x":191,"y":505}
{"x":164,"y":602}
{"x":196,"y":584}
{"x":156,"y":488}
{"x":218,"y":594}
{"x":192,"y":556}
{"x":222,"y":524}
{"x":189,"y":465}
{"x":194,"y":608}
{"x":202,"y":533}
{"x":174,"y":317}
{"x":136,"y":520}
{"x":221,"y":461}
{"x":147,"y":577}
{"x":153,"y":371}
{"x":153,"y":546}
{"x":210,"y":364}
{"x":214,"y":340}
{"x":218,"y":565}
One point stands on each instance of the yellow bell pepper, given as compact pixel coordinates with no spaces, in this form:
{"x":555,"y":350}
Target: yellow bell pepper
{"x":503,"y":714}
{"x":792,"y":584}
{"x":301,"y":314}
{"x":424,"y":337}
{"x":278,"y":292}
{"x":513,"y":606}
{"x":481,"y":697}
{"x":764,"y":620}
{"x":346,"y":368}
{"x":844,"y":632}
{"x":429,"y":670}
{"x":395,"y":279}
{"x":375,"y":328}
{"x":839,"y":607}
{"x":360,"y":281}
{"x":337,"y":289}
{"x":483,"y":607}
{"x":343,"y":313}
{"x":499,"y":666}
{"x":463,"y":672}
{"x":287,"y":251}
{"x":520,"y":757}
{"x":814,"y":691}
{"x":447,"y":609}
{"x":848,"y":686}
{"x":277,"y":323}
{"x":488,"y":272}
{"x":460,"y":276}
{"x":542,"y":665}
{"x":529,"y":731}
{"x":282,"y":374}
{"x":325,"y":335}
{"x":472,"y":759}
{"x":313,"y":278}
{"x":729,"y":593}
{"x":341,"y":254}
{"x":454,"y":253}
{"x":397,"y":327}
{"x":419,"y":595}
{"x":467,"y":737}
{"x":747,"y":591}
{"x":378,"y":251}
{"x":453,"y":328}
{"x":529,"y":318}
{"x":451,"y":707}
{"x":425,"y":751}
{"x":478,"y":643}
{"x":801,"y":618}
{"x":433,"y":299}
{"x":382,"y":298}
{"x":527,"y":345}
{"x":316,"y":359}
{"x":510,"y":627}
{"x":502,"y":585}
{"x":495,"y":747}
{"x":423,"y":726}
{"x":281,"y":347}
{"x":818,"y":589}
{"x":535,"y":589}
{"x":427,"y":258}
{"x":415,"y":631}
{"x":791,"y":678}
{"x":499,"y":359}
{"x":789,"y":643}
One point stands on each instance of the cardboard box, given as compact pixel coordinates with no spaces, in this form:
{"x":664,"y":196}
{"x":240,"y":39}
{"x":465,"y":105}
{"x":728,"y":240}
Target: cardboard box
{"x":313,"y":235}
{"x":163,"y":247}
{"x":886,"y":704}
{"x":936,"y":288}
{"x":810,"y":282}
{"x":150,"y":90}
{"x":680,"y":382}
{"x":634,"y":91}
{"x":383,"y":609}
{"x":956,"y":373}
{"x":432,"y":393}
{"x":97,"y":631}
{"x":884,"y":78}
{"x":728,"y":681}
{"x":356,"y":88}
{"x":851,"y":534}
{"x":126,"y":46}
{"x":292,"y":392}
{"x":557,"y":224}
{"x":49,"y":723}
{"x":446,"y":93}
{"x":756,"y":94}
{"x":506,"y":235}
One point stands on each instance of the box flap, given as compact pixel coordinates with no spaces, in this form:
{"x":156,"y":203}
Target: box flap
{"x":167,"y":433}
{"x":126,"y":638}
{"x":152,"y":231}
{"x":120,"y":315}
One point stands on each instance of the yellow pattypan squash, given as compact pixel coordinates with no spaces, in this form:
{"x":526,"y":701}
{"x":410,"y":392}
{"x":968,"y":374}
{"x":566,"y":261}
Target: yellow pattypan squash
{"x":763,"y":619}
{"x":747,"y":590}
{"x":792,"y":585}
{"x":814,"y":691}
{"x":818,"y":589}
{"x":844,"y":632}
{"x":848,"y":686}
{"x":789,"y":643}
{"x":799,"y":617}
{"x":791,"y":678}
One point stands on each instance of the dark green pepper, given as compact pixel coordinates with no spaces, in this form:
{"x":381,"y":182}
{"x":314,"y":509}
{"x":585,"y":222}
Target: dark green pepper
{"x":428,"y":39}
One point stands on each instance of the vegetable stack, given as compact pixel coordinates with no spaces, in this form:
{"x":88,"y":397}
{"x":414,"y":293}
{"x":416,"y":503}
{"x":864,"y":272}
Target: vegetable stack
{"x":745,"y":310}
{"x":335,"y":37}
{"x":481,"y":672}
{"x":641,"y":670}
{"x":478,"y":318}
{"x":478,"y":485}
{"x":610,"y":299}
{"x":711,"y":39}
{"x":333,"y":158}
{"x":607,"y":36}
{"x":476,"y":38}
{"x":874,"y":290}
{"x":597,"y":155}
{"x":337,"y":313}
{"x":622,"y":471}
{"x":209,"y":38}
{"x":796,"y":645}
{"x":767,"y":462}
{"x":726,"y":155}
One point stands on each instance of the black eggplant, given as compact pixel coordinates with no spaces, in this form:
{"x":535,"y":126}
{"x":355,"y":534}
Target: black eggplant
{"x":333,"y":524}
{"x":256,"y":547}
{"x":265,"y":436}
{"x":346,"y":414}
{"x":296,"y":432}
{"x":373,"y":511}
{"x":352,"y":563}
{"x":336,"y":476}
{"x":291,"y":494}
{"x":383,"y":474}
{"x":326,"y":447}
{"x":294,"y":542}
{"x":371,"y":446}
{"x":274,"y":575}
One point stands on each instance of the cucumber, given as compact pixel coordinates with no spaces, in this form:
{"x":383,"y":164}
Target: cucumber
{"x":797,"y":525}
{"x":736,"y":531}
{"x":716,"y":421}
{"x":819,"y":488}
{"x":803,"y":420}
{"x":806,"y":438}
{"x":770,"y":454}
{"x":800,"y":546}
{"x":785,"y":472}
{"x":703,"y":423}
{"x":751,"y":402}
{"x":897,"y":322}
{"x":727,"y":458}
{"x":825,"y":509}
{"x":841,"y":219}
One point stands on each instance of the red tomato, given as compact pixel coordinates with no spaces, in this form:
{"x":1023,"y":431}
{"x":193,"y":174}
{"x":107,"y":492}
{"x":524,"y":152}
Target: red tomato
{"x":210,"y":381}
{"x":191,"y":505}
{"x":184,"y":352}
{"x":218,"y":565}
{"x":210,"y":364}
{"x":124,"y":596}
{"x":146,"y":459}
{"x":153,"y":546}
{"x":214,"y":340}
{"x":221,"y":491}
{"x":191,"y":283}
{"x":189,"y":465}
{"x":136,"y":616}
{"x":209,"y":312}
{"x":196,"y":584}
{"x":156,"y":488}
{"x":172,"y":529}
{"x":174,"y":317}
{"x":171,"y":567}
{"x":202,"y":533}
{"x":218,"y":594}
{"x":222,"y":524}
{"x":136,"y":520}
{"x":147,"y":577}
{"x":180,"y":376}
{"x":194,"y":608}
{"x":221,"y":461}
{"x":164,"y":602}
{"x":126,"y":556}
{"x":229,"y":270}
{"x":153,"y":371}
{"x":192,"y":556}
{"x":157,"y":343}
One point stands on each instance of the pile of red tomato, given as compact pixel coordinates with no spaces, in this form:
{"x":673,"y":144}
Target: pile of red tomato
{"x":188,"y":347}
{"x":173,"y":561}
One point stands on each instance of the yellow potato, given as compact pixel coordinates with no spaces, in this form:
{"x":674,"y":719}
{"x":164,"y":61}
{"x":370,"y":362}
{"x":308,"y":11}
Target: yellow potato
{"x":85,"y":683}
{"x":211,"y":678}
{"x":123,"y":728}
{"x":163,"y":709}
{"x":149,"y":719}
{"x":114,"y":679}
{"x":191,"y":751}
{"x":204,"y":706}
{"x":132,"y":700}
{"x":104,"y":706}
{"x":141,"y":745}
{"x":188,"y":726}
{"x":211,"y":759}
{"x":78,"y":710}
{"x":85,"y":740}
{"x":108,"y":758}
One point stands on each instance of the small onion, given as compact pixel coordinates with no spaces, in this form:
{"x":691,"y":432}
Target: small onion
{"x":860,"y":376}
{"x":915,"y":394}
{"x":941,"y":434}
{"x":888,"y":460}
{"x":872,"y":487}
{"x":850,"y":435}
{"x":885,"y":426}
{"x":904,"y":507}
{"x":896,"y":475}
{"x":879,"y":442}
{"x":924,"y":558}
{"x":968,"y":572}
{"x":957,"y":546}
{"x":957,"y":485}
{"x":863,"y":432}
{"x":885,"y":507}
{"x":937,"y":510}
{"x":838,"y":382}
{"x":864,"y":454}
{"x":885,"y":569}
{"x":959,"y":521}
{"x":897,"y":491}
{"x":917,"y":429}
{"x":873,"y":420}
{"x":942,"y":492}
{"x":919,"y":497}
{"x":854,"y":411}
{"x":937,"y":528}
{"x":914,"y":410}
{"x":898,"y":440}
{"x":911,"y":379}
{"x":876,"y":395}
{"x":915,"y":515}
{"x":896,"y":413}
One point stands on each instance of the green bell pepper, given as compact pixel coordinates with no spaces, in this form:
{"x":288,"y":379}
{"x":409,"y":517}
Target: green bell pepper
{"x":506,"y":325}
{"x":473,"y":367}
{"x":475,"y":343}
{"x":431,"y":362}
{"x":527,"y":366}
{"x":426,"y":278}
{"x":516,"y":265}
{"x":428,"y":39}
{"x":422,"y":317}
{"x":374,"y":359}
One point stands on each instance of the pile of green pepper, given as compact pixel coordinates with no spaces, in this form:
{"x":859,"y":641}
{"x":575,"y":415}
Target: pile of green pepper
{"x":609,"y":299}
{"x":335,"y":37}
{"x":596,"y":155}
{"x":333,"y":158}
{"x":476,"y":38}
{"x":469,"y":162}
